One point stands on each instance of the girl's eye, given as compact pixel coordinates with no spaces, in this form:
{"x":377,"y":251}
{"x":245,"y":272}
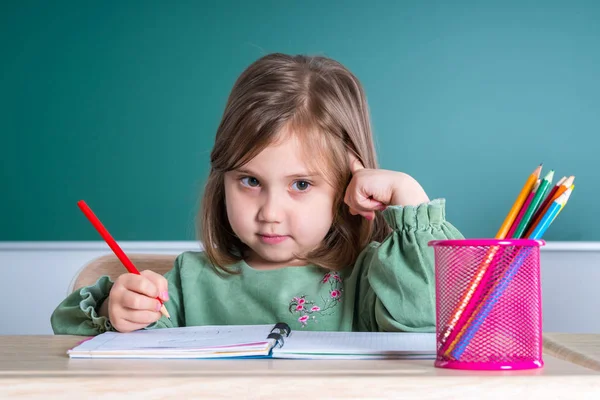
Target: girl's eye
{"x":249,"y":181}
{"x":301,"y":186}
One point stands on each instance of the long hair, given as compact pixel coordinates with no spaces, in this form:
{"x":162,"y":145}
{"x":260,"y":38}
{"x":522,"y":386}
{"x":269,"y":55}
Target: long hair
{"x":324,"y":104}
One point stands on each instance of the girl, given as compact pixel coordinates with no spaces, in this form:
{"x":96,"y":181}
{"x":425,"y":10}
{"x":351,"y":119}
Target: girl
{"x":298,"y":224}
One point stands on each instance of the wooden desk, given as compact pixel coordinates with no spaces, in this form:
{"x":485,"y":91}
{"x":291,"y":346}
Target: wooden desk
{"x":582,"y":349}
{"x":37,"y":366}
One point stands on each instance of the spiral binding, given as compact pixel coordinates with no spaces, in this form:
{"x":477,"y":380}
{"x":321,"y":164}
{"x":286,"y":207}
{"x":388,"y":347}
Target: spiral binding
{"x":284,"y":329}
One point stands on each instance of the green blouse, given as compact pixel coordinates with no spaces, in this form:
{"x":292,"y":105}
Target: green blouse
{"x":389,"y":288}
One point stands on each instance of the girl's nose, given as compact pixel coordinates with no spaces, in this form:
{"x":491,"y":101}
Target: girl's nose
{"x":271,"y":209}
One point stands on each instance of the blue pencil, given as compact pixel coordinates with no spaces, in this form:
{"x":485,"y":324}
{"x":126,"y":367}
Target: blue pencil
{"x":553,"y":211}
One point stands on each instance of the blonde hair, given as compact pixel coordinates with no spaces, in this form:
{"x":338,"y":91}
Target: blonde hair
{"x":322,"y":103}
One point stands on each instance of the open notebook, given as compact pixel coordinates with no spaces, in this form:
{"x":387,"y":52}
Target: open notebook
{"x":255,"y":341}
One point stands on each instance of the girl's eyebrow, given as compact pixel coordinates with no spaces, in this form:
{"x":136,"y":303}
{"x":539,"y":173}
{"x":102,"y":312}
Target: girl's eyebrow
{"x":245,"y":171}
{"x":302,"y":175}
{"x":296,"y":175}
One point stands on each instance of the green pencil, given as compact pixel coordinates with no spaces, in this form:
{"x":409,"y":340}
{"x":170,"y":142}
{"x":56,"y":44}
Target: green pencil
{"x":537,"y":199}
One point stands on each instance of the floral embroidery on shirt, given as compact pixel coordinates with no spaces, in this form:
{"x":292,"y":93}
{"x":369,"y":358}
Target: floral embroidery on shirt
{"x":310,"y":309}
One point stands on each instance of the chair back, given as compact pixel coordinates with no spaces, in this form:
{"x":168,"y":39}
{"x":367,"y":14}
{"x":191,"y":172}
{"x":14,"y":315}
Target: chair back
{"x":110,"y":265}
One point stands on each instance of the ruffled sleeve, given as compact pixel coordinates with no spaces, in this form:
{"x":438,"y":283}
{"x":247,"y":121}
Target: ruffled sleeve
{"x":78,"y":313}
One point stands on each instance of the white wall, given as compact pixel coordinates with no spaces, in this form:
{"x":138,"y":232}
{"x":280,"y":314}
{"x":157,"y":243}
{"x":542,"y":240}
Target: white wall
{"x":36,"y":276}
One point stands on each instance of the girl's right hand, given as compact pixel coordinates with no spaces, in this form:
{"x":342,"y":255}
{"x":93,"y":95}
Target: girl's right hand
{"x":132,"y":303}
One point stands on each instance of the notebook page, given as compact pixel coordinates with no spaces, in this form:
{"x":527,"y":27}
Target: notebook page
{"x":358,"y":343}
{"x":186,"y":338}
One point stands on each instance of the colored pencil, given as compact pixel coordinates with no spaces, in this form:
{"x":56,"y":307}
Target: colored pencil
{"x":114,"y":246}
{"x":513,"y":228}
{"x":566,"y":195}
{"x":548,"y":198}
{"x":551,"y":214}
{"x":518,"y":204}
{"x":469,"y":298}
{"x":563,"y":188}
{"x":537,"y":199}
{"x":472,"y":326}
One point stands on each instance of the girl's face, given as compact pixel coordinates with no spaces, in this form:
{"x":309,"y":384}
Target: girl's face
{"x":277,"y":207}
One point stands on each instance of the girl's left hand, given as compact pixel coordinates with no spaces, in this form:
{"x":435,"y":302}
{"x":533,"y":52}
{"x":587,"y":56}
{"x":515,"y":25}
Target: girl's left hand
{"x":373,"y":190}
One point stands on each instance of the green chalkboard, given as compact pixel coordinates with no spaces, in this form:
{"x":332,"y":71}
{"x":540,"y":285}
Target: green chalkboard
{"x":117,"y":103}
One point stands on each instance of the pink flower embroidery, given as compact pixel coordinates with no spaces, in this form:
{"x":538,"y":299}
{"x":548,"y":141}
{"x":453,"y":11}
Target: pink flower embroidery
{"x":308,"y":310}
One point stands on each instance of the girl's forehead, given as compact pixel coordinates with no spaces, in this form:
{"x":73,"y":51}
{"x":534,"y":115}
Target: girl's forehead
{"x":285,"y":153}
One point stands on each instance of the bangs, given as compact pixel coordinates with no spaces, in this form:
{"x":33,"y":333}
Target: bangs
{"x":324,"y":153}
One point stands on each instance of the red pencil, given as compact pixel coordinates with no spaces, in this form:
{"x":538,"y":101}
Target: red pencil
{"x":114,"y":246}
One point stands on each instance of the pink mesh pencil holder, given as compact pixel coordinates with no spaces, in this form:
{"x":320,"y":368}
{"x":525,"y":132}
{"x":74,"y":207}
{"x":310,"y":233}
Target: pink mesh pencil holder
{"x":488,"y":304}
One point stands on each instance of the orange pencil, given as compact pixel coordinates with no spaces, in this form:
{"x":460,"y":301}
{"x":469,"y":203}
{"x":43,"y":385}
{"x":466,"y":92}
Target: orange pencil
{"x":523,"y":209}
{"x":512,"y":214}
{"x":563,"y":188}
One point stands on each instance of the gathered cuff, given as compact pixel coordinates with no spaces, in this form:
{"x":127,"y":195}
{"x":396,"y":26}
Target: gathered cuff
{"x":420,"y":217}
{"x":91,"y":299}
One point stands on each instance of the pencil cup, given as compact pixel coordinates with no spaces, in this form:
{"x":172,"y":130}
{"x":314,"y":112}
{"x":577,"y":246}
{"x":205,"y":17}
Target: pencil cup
{"x":488,"y":304}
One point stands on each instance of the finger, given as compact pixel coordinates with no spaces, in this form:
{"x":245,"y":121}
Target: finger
{"x":160,"y":281}
{"x":355,"y":164}
{"x":366,"y":208}
{"x":140,"y":284}
{"x":143,"y":317}
{"x":124,"y":320}
{"x":123,"y":325}
{"x":370,"y":215}
{"x":361,"y":203}
{"x":135,"y":301}
{"x":348,"y":201}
